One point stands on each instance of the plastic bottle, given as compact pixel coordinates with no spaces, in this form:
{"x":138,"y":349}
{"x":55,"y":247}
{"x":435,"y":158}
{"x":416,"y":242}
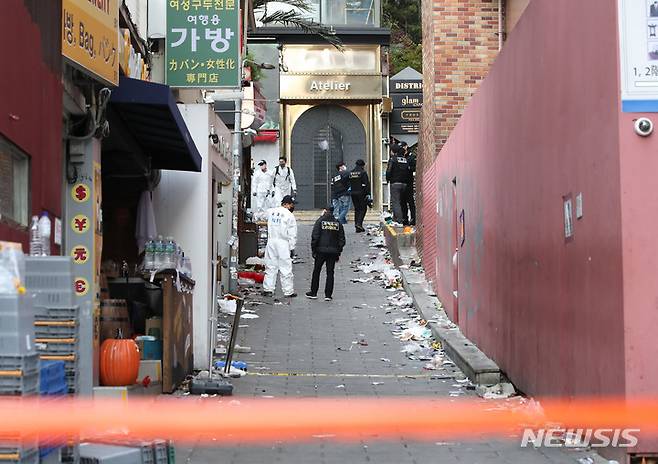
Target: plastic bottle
{"x":158,"y":253}
{"x":44,"y":230}
{"x":170,"y":253}
{"x":36,"y":245}
{"x":149,"y":252}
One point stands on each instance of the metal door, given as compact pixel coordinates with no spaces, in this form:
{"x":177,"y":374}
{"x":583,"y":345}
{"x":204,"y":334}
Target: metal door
{"x":314,"y":163}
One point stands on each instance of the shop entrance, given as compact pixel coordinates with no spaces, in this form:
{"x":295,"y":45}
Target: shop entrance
{"x":322,"y":137}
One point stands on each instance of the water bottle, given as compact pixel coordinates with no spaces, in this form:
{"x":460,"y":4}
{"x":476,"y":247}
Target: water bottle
{"x":149,"y":251}
{"x":36,"y":245}
{"x":170,"y":253}
{"x":44,"y":230}
{"x":159,"y":253}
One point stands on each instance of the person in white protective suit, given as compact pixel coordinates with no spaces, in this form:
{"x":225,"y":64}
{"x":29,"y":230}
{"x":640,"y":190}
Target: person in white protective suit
{"x":284,"y":181}
{"x":281,"y":241}
{"x":261,"y":188}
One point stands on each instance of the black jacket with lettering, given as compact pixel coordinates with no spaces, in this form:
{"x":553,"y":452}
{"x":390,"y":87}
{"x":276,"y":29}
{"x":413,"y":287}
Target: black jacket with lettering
{"x":359,"y":182}
{"x":398,"y":169}
{"x":411,"y":159}
{"x":340,"y":184}
{"x":328,"y":235}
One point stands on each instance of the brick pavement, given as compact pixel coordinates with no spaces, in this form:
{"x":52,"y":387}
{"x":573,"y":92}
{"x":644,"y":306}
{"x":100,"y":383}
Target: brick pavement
{"x":315,"y":338}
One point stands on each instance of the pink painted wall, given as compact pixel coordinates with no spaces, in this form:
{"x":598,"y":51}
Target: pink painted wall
{"x":545,"y":124}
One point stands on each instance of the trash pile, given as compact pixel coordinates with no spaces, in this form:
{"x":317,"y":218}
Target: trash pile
{"x":378,"y":265}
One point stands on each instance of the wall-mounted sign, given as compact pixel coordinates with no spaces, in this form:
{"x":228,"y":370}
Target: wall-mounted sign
{"x":404,"y":128}
{"x":638,"y":34}
{"x":407,"y":100}
{"x":330,"y":87}
{"x":203,"y":43}
{"x":90,"y":37}
{"x":407,"y":86}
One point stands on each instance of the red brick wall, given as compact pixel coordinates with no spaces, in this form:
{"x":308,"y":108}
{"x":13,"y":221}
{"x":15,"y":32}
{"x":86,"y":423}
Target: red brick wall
{"x":460,"y":42}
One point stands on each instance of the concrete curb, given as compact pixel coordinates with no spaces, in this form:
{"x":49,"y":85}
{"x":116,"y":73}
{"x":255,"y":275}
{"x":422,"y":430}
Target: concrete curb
{"x":479,"y":368}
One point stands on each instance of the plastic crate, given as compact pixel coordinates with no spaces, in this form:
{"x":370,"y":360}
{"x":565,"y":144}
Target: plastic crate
{"x":19,"y":455}
{"x":171,"y":452}
{"x":56,"y":331}
{"x":16,"y":325}
{"x":161,"y":452}
{"x":70,"y":454}
{"x":56,"y":346}
{"x":19,"y":383}
{"x":96,"y":453}
{"x":56,"y":312}
{"x":50,"y":455}
{"x":26,"y":363}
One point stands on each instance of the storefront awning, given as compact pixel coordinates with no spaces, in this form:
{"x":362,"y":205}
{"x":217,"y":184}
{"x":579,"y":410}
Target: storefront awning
{"x":149,"y":112}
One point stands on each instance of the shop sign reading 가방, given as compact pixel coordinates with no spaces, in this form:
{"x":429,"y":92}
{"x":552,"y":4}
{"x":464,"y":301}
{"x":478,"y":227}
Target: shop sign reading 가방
{"x":202,"y":43}
{"x":638,"y":40}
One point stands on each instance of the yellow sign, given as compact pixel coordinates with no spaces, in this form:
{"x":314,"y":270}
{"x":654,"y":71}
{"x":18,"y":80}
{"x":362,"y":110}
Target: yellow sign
{"x":90,"y":37}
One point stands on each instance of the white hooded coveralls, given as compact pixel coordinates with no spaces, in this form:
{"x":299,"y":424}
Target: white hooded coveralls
{"x":283,"y":182}
{"x":261,"y":186}
{"x":281,"y":240}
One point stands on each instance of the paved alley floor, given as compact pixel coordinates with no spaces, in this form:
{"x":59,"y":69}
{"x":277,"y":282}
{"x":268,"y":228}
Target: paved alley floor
{"x":346,"y":348}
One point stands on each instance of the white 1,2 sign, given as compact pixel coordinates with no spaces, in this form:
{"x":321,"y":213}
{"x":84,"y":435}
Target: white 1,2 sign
{"x":638,"y":41}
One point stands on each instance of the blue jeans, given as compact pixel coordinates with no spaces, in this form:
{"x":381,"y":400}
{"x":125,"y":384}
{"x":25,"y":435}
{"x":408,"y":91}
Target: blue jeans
{"x":341,"y":207}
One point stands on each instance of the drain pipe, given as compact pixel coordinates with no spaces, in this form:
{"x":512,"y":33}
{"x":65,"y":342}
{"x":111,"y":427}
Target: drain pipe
{"x":500,"y":25}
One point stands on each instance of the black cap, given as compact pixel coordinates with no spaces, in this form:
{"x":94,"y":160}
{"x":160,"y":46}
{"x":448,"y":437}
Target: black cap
{"x":360,"y":162}
{"x":404,"y":144}
{"x":396,"y":148}
{"x":288,"y":199}
{"x":261,"y":162}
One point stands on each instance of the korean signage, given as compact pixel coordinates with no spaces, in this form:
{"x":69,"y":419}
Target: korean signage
{"x":638,"y":39}
{"x":90,"y":37}
{"x":203,"y":43}
{"x":331,"y":87}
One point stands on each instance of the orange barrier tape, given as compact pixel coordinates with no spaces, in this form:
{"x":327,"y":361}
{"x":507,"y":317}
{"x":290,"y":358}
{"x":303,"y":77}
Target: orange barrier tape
{"x":264,"y":420}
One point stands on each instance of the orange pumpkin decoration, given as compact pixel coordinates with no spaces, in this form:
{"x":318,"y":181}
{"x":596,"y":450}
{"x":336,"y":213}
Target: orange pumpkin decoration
{"x":119,"y":361}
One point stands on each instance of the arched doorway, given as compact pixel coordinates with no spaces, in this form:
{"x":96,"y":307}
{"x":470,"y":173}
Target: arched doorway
{"x":314,"y":160}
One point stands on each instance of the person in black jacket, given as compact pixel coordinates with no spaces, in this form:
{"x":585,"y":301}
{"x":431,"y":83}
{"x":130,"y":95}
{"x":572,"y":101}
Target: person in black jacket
{"x":408,"y":201}
{"x":397,"y":175}
{"x":327,"y":244}
{"x":360,"y":186}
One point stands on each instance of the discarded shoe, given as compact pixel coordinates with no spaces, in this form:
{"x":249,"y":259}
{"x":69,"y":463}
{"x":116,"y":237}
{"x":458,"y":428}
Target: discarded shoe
{"x":311,"y":296}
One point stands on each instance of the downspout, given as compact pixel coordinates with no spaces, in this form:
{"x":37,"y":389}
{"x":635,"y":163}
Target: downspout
{"x":500,"y":25}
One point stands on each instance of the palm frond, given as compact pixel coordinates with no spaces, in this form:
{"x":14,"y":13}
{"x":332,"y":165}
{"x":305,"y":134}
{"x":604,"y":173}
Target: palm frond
{"x":295,"y":19}
{"x":303,"y":5}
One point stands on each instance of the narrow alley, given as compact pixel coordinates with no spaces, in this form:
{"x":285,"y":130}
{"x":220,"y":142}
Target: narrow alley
{"x":346,"y":348}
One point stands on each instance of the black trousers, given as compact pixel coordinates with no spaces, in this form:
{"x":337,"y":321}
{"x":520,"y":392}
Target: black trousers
{"x":320,"y":260}
{"x":360,"y":208}
{"x":409,"y":205}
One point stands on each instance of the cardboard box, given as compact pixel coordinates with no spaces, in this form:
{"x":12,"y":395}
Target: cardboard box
{"x":150,"y":368}
{"x":154,"y":327}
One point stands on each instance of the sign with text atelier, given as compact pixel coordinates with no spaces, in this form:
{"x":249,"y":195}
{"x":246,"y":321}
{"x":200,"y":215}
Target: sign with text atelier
{"x":331,"y":87}
{"x":90,"y":37}
{"x":203,"y":43}
{"x":638,"y":41}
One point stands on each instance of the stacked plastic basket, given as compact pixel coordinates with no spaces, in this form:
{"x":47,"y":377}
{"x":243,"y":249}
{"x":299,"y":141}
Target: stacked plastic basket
{"x":56,"y":317}
{"x":19,"y":371}
{"x":56,"y":331}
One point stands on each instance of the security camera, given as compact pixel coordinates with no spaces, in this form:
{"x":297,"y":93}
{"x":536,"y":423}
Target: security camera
{"x":643,"y":127}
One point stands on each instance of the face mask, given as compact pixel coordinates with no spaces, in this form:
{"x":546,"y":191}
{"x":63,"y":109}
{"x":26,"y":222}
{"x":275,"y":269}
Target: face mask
{"x":292,"y":208}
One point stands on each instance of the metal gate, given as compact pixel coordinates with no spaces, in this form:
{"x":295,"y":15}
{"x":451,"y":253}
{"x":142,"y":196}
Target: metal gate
{"x":322,"y":137}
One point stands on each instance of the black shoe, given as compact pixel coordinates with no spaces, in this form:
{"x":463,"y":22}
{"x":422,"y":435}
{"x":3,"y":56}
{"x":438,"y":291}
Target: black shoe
{"x":359,"y":230}
{"x":292,"y":295}
{"x":311,"y":296}
{"x":328,"y":298}
{"x":265,"y":293}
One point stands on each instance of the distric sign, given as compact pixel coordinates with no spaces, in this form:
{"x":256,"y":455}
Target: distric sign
{"x":90,"y":37}
{"x":203,"y":43}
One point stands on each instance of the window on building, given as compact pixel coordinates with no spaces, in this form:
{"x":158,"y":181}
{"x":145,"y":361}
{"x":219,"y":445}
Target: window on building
{"x":14,"y":183}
